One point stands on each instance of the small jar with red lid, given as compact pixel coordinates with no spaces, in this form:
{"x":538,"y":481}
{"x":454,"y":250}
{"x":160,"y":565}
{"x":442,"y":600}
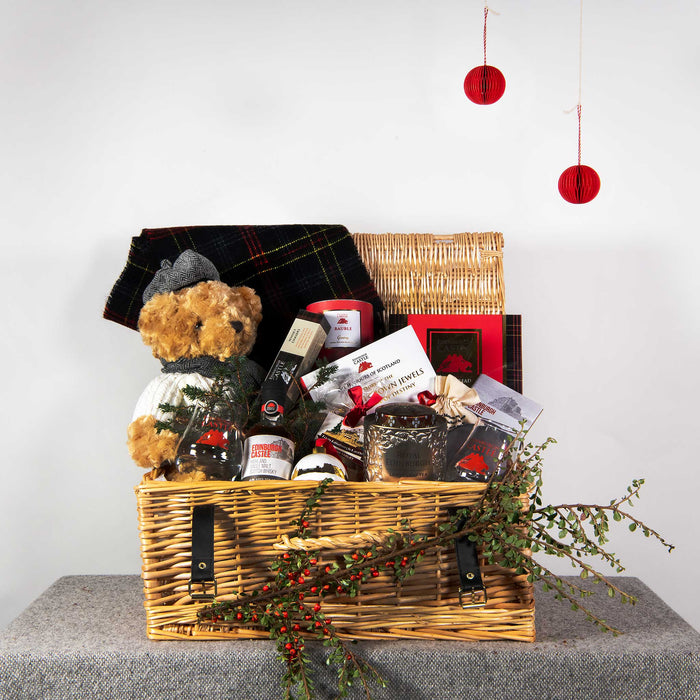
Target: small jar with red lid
{"x":351,"y":326}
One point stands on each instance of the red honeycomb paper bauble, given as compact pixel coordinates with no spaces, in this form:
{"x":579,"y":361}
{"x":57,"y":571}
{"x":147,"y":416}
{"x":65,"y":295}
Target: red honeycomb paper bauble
{"x":579,"y":184}
{"x":484,"y":85}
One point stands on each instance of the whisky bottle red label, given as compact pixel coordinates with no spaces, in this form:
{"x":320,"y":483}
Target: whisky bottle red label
{"x":267,"y":457}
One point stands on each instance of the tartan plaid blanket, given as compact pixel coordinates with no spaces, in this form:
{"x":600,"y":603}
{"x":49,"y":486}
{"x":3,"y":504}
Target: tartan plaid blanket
{"x":289,"y":266}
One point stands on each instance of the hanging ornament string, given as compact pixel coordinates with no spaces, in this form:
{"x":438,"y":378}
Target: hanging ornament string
{"x":486,"y":14}
{"x":578,"y":110}
{"x":580,"y":50}
{"x":579,"y":183}
{"x":578,"y":105}
{"x":487,"y":9}
{"x":485,"y":84}
{"x":580,"y":74}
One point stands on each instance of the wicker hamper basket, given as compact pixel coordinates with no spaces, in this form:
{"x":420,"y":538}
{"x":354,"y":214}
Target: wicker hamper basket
{"x":413,"y":273}
{"x":252,"y":516}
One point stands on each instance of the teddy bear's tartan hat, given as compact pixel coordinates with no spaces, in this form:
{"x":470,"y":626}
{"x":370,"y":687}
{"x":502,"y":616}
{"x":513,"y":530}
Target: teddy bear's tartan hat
{"x":189,"y":269}
{"x":289,"y":266}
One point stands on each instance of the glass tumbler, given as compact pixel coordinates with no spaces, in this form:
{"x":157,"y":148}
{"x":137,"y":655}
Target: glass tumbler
{"x":211,"y":447}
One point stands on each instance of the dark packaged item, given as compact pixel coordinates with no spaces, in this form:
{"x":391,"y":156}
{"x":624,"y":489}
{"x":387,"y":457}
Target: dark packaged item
{"x":298,"y":353}
{"x":478,"y":452}
{"x":347,"y":446}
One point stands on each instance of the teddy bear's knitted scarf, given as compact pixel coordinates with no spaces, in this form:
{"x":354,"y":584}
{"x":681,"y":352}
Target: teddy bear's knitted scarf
{"x":206,"y":365}
{"x":252,"y":373}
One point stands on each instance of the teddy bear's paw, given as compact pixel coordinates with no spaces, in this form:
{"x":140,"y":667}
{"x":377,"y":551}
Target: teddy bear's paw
{"x":148,"y":447}
{"x":175,"y":475}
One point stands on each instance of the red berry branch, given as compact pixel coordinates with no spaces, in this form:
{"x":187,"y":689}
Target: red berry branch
{"x":509,"y":524}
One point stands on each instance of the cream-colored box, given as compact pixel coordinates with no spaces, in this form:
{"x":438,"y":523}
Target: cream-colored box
{"x":396,"y":367}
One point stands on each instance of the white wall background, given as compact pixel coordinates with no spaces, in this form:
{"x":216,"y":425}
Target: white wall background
{"x":122,"y":115}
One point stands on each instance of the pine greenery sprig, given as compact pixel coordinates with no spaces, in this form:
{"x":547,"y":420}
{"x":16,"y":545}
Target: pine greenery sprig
{"x":231,"y":395}
{"x":510,"y":525}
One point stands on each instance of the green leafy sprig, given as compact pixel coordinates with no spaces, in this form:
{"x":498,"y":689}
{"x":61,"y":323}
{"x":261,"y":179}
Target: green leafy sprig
{"x":234,"y":397}
{"x":232,"y":394}
{"x":510,"y":525}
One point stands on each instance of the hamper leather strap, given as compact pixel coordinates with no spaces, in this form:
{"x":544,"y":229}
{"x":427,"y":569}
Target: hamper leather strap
{"x":202,"y":571}
{"x":472,"y":592}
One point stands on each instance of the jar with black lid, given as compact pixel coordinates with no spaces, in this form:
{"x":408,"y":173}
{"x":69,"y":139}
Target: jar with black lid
{"x":404,"y":441}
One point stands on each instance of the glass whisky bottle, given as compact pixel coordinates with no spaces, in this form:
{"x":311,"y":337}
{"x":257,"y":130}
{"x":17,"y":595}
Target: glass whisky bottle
{"x":268,"y":451}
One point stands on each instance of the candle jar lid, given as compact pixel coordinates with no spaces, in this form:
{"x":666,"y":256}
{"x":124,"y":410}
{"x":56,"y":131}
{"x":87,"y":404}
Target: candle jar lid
{"x":406,"y":415}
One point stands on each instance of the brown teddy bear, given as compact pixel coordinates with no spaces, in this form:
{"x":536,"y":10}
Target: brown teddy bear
{"x":193,"y":322}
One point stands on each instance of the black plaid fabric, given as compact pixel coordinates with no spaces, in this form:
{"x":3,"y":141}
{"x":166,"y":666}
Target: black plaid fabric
{"x":289,"y":266}
{"x":514,"y":354}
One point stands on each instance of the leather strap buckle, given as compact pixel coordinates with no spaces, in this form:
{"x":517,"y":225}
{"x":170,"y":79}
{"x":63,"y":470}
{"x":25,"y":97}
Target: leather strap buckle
{"x":474,"y":598}
{"x":204,"y":594}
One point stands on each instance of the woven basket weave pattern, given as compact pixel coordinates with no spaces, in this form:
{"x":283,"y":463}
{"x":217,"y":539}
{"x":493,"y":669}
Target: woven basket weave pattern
{"x":252,"y":517}
{"x":423,"y":273}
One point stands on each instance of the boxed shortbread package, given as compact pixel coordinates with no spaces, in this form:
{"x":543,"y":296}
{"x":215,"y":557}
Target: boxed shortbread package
{"x":298,"y":352}
{"x":395,"y":366}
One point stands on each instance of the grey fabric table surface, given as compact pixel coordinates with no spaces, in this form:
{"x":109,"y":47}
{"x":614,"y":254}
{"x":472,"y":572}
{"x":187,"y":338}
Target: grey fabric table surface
{"x":85,"y":638}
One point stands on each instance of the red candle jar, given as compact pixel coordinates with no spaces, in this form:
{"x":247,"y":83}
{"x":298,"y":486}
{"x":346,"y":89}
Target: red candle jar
{"x":352,"y":325}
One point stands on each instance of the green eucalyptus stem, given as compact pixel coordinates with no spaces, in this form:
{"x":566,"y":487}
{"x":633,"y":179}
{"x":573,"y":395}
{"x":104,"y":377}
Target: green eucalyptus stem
{"x":539,"y":537}
{"x":551,"y":580}
{"x":509,"y":524}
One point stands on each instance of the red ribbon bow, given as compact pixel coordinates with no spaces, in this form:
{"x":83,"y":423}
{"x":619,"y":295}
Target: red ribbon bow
{"x":327,"y":445}
{"x":426,"y":398}
{"x":360,"y":409}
